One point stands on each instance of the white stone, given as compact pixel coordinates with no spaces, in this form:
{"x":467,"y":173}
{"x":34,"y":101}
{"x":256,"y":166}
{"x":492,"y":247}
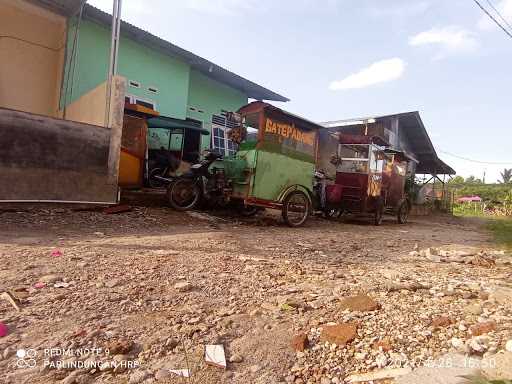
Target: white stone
{"x":457,"y":343}
{"x":381,"y":361}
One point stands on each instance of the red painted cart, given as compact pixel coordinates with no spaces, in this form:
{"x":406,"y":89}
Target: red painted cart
{"x":369,"y":180}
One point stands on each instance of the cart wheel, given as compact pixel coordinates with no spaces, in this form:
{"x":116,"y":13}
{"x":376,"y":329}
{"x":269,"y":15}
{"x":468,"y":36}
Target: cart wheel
{"x":183,"y":194}
{"x":296,"y":209}
{"x":403,"y":213}
{"x":379,"y":213}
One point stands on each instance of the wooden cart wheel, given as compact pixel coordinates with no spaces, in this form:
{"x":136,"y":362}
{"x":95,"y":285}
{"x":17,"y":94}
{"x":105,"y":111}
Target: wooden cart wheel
{"x":403,"y":213}
{"x":379,"y":212}
{"x":296,"y":209}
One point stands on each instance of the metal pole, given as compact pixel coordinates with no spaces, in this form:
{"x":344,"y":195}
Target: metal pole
{"x":114,"y":49}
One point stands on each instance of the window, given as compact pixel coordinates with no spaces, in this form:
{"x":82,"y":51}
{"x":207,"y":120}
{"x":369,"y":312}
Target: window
{"x":134,"y":84}
{"x":220,"y":128}
{"x":353,"y":158}
{"x":153,"y":90}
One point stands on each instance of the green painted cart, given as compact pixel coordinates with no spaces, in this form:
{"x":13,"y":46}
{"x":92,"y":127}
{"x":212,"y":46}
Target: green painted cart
{"x":274,"y":165}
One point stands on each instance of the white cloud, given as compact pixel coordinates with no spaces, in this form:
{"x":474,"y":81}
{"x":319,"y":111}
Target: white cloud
{"x":378,"y":72}
{"x":452,"y":38}
{"x":505,"y":9}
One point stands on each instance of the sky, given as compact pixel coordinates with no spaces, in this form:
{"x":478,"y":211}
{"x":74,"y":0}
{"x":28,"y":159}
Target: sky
{"x":340,"y":59}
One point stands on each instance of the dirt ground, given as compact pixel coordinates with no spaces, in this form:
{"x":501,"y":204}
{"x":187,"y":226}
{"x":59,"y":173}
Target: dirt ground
{"x":151,"y":287}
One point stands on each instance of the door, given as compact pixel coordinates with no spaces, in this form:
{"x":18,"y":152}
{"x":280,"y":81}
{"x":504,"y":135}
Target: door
{"x":133,"y":151}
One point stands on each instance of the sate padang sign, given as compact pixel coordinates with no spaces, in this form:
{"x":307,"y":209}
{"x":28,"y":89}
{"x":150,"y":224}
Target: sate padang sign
{"x":289,"y":139}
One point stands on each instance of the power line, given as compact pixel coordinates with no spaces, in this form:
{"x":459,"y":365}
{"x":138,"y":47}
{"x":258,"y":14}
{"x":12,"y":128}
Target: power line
{"x":474,"y":161}
{"x":493,"y":18}
{"x":499,"y":14}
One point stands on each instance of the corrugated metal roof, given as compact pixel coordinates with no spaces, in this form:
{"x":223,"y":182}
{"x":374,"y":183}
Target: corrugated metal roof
{"x":415,"y":130}
{"x":63,"y":7}
{"x":204,"y":66}
{"x":260,"y":104}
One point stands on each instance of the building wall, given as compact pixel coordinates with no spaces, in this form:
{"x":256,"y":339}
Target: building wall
{"x":137,"y":62}
{"x":31,"y":57}
{"x":179,"y":88}
{"x":209,"y":97}
{"x":91,"y":107}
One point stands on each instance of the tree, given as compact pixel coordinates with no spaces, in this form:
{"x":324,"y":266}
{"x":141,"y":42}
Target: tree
{"x":456,"y":180}
{"x":506,"y":175}
{"x":473,"y":180}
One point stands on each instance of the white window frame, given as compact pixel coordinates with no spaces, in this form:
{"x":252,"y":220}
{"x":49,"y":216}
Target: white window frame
{"x":134,"y":99}
{"x":226,"y":151}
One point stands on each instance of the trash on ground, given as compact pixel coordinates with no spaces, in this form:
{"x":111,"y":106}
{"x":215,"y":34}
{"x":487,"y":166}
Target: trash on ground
{"x":56,"y":253}
{"x":39,"y":285}
{"x":214,"y":355}
{"x":3,"y":330}
{"x":180,"y":372}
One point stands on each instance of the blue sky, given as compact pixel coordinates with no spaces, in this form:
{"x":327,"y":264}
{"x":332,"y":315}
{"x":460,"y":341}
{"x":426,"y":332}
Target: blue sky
{"x":338,"y":59}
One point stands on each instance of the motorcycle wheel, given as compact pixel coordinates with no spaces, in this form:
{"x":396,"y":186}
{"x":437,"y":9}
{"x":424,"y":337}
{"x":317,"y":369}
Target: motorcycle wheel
{"x":153,"y":181}
{"x":184,"y":194}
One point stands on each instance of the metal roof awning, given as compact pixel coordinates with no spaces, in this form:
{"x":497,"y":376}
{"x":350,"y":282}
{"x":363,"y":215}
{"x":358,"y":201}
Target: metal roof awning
{"x":413,"y":128}
{"x":433,"y":166}
{"x":196,"y":62}
{"x":170,"y":123}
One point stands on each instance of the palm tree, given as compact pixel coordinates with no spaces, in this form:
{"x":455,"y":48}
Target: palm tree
{"x":506,"y":175}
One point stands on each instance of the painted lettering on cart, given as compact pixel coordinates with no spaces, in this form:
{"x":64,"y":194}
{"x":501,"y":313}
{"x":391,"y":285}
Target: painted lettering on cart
{"x":287,"y":131}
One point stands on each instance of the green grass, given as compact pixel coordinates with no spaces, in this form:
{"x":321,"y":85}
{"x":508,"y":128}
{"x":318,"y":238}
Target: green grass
{"x":501,"y":229}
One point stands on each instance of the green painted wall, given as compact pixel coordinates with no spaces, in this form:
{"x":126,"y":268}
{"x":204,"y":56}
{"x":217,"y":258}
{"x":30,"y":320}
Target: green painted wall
{"x":276,"y":172}
{"x":179,"y":86}
{"x":137,"y":62}
{"x":211,"y":97}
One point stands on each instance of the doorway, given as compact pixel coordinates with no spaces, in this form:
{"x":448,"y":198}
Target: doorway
{"x":192,"y":143}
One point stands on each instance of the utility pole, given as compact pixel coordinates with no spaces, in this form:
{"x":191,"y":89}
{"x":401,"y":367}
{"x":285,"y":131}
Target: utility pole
{"x":114,"y":51}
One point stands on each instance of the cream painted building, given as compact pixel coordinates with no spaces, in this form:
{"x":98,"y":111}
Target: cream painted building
{"x":32,"y":48}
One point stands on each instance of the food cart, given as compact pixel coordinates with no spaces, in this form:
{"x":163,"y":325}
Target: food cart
{"x":273,"y":167}
{"x":369,"y":179}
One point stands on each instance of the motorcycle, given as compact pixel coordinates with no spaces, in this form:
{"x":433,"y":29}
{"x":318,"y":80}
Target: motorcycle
{"x":158,"y":174}
{"x":323,"y":191}
{"x":203,"y":184}
{"x":200,"y":184}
